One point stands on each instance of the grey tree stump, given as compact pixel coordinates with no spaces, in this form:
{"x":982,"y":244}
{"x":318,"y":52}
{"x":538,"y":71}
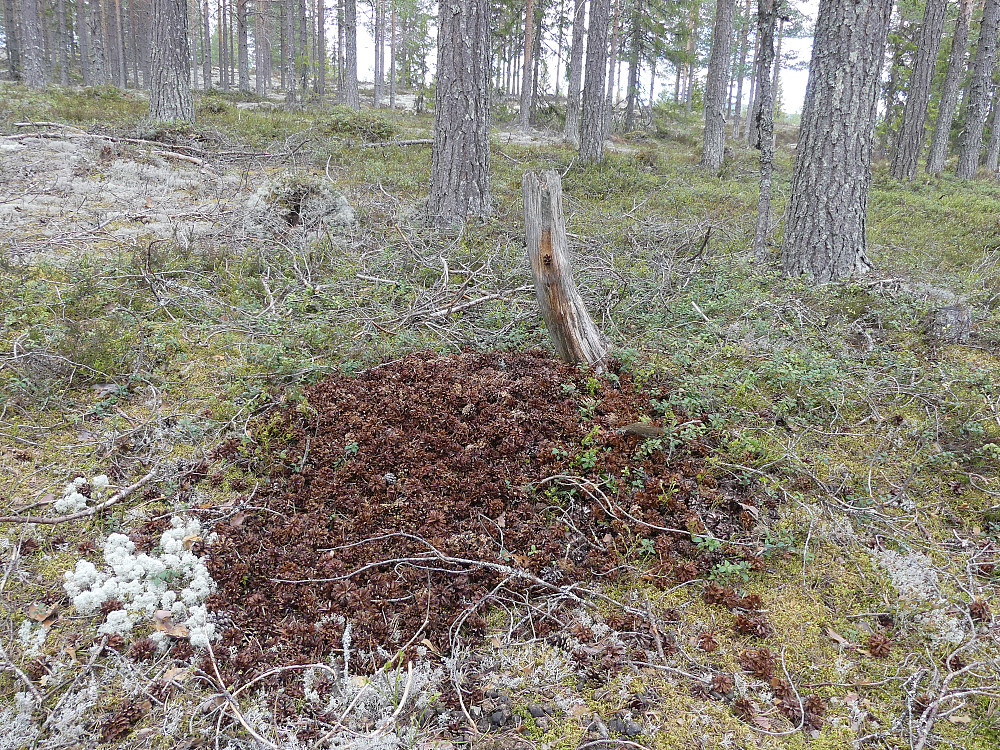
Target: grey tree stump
{"x":574,"y":334}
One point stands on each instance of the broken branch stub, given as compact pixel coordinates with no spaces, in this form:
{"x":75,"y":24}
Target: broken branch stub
{"x":576,"y":338}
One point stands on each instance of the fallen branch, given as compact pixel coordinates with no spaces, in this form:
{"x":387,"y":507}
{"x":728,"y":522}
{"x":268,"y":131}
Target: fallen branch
{"x":47,"y":124}
{"x":233,"y":705}
{"x":411,"y":142}
{"x":116,"y":498}
{"x":444,"y":312}
{"x":182,"y":157}
{"x":83,"y":134}
{"x":79,"y":675}
{"x":9,"y":663}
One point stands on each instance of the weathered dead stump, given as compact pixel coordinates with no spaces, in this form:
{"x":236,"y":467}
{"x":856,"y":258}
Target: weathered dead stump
{"x":576,"y":338}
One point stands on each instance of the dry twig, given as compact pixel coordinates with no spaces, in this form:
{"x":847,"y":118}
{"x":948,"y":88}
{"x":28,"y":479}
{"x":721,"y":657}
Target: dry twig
{"x":87,"y":512}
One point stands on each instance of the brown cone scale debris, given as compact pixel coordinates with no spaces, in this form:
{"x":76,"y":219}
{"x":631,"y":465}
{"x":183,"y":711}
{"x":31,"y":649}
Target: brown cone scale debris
{"x":404,"y":500}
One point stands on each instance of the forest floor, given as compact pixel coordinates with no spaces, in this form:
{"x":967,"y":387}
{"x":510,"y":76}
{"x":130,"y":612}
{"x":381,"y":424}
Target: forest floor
{"x":281,"y":469}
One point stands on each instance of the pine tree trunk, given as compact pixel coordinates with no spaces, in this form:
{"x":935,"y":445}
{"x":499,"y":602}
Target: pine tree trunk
{"x":242,"y":45}
{"x":112,"y":43}
{"x":713,"y":152}
{"x":632,"y":90}
{"x":62,"y":45}
{"x":12,"y":35}
{"x":206,"y":52}
{"x":524,"y":115}
{"x":652,"y":78}
{"x":259,"y":46}
{"x":574,"y":335}
{"x":460,"y":156}
{"x":635,"y":53}
{"x":978,"y":96}
{"x":559,"y":44}
{"x":350,"y":94}
{"x":592,"y":112}
{"x":750,"y":133}
{"x":910,"y":140}
{"x":143,"y":35}
{"x":83,"y":30}
{"x":97,"y":57}
{"x":993,"y":149}
{"x":536,"y":65}
{"x":692,"y":55}
{"x":224,"y":61}
{"x":777,"y":63}
{"x":392,"y":56}
{"x":609,"y":105}
{"x":571,"y":131}
{"x":321,"y":47}
{"x":824,"y":236}
{"x":741,"y":72}
{"x":123,"y":44}
{"x":170,"y":90}
{"x":949,"y":92}
{"x":763,"y":117}
{"x":379,"y":48}
{"x":291,"y":85}
{"x":33,"y":51}
{"x":302,"y":60}
{"x":132,"y":42}
{"x":340,"y":46}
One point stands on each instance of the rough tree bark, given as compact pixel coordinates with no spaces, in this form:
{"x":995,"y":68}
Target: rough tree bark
{"x":113,"y":49}
{"x":779,"y":35}
{"x":13,"y":37}
{"x":949,"y":92}
{"x":691,"y":51}
{"x":524,"y":115}
{"x":749,"y":132}
{"x":32,"y":51}
{"x":571,"y":132}
{"x":592,"y":113}
{"x":291,"y":85}
{"x":978,"y":94}
{"x":260,"y":44}
{"x":206,"y":52}
{"x":350,"y":94}
{"x":223,"y":46}
{"x":379,"y":10}
{"x":574,"y":335}
{"x":460,"y":156}
{"x":741,"y":71}
{"x":609,"y":105}
{"x":170,"y":90}
{"x":242,"y":46}
{"x":763,"y":117}
{"x":83,"y":29}
{"x":910,"y":139}
{"x":828,"y":200}
{"x":393,"y":21}
{"x":302,"y":58}
{"x":713,"y":151}
{"x":62,"y":42}
{"x":634,"y":56}
{"x":993,"y":149}
{"x":99,"y":67}
{"x":340,"y":46}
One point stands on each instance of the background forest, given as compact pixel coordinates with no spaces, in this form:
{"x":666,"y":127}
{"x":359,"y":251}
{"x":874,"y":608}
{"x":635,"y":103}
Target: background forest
{"x":286,"y":457}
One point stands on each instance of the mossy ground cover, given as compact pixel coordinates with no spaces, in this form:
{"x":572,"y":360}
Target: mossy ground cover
{"x":879,"y":441}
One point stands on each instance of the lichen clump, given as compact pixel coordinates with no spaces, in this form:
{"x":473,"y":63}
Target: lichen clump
{"x":174,"y":579}
{"x":73,"y":499}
